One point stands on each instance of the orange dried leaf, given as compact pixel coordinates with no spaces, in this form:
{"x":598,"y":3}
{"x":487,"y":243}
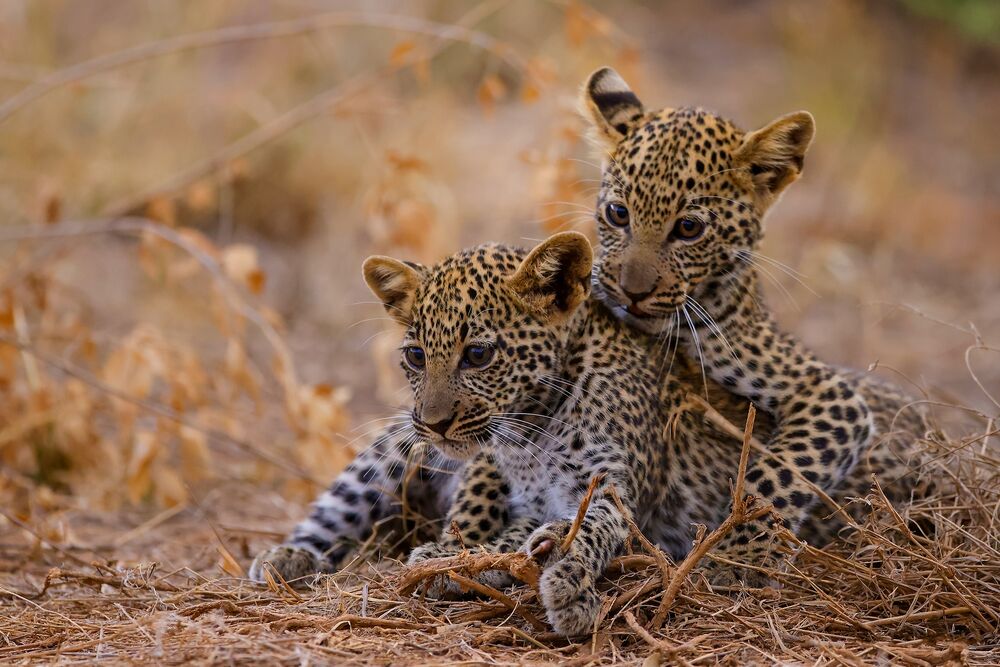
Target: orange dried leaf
{"x":627,"y":63}
{"x":400,"y":53}
{"x":240,"y":371}
{"x":582,"y":22}
{"x":241,"y":265}
{"x":575,"y":24}
{"x":256,"y":280}
{"x":406,"y":162}
{"x":196,"y":461}
{"x":323,"y":409}
{"x":138,"y":480}
{"x":168,"y":488}
{"x":163,"y":210}
{"x":52,"y":209}
{"x":600,"y":24}
{"x":530,"y":93}
{"x":491,"y":90}
{"x":201,"y":196}
{"x":273,"y":318}
{"x":7,"y":312}
{"x":237,"y":168}
{"x":413,"y":219}
{"x":422,"y":70}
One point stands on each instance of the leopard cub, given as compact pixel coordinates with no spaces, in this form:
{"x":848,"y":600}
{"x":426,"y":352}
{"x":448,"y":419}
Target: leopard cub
{"x":680,"y":209}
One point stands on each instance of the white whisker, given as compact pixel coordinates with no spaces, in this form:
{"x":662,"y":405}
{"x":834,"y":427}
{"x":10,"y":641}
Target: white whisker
{"x":714,"y":327}
{"x":697,"y":343}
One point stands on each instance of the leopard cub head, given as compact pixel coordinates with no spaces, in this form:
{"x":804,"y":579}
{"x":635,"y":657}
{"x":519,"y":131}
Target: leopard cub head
{"x":484,"y":328}
{"x":682,"y":195}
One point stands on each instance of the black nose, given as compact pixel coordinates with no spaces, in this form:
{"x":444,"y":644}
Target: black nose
{"x":636,"y":297}
{"x":442,"y":426}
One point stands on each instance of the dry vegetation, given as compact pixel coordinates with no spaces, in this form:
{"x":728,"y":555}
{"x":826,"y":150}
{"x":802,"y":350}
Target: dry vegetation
{"x":187,"y":353}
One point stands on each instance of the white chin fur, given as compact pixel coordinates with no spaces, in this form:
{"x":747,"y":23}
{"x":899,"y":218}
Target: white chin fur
{"x":455,"y":449}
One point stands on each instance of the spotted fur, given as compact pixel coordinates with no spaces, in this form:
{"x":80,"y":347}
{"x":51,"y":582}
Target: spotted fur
{"x":680,"y":209}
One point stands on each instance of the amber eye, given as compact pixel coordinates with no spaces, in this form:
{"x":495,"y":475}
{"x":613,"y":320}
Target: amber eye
{"x":415,"y":357}
{"x":616,"y":214}
{"x":689,"y":229}
{"x":477,"y":356}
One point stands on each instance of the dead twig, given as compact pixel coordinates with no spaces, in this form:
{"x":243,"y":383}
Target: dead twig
{"x":659,"y":558}
{"x":520,"y":566}
{"x":581,"y":512}
{"x":660,"y":645}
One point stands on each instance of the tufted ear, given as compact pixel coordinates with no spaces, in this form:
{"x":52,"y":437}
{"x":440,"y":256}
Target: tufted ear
{"x":555,"y":277}
{"x":395,"y":283}
{"x":611,"y":106}
{"x":775,"y":154}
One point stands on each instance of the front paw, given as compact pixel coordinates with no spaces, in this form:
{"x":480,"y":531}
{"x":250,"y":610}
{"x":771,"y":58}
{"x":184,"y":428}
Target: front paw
{"x":290,"y":562}
{"x":568,"y":591}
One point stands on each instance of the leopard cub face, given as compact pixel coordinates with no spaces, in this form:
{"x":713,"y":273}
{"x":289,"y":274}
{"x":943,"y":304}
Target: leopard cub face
{"x":482,"y":330}
{"x":682,"y":196}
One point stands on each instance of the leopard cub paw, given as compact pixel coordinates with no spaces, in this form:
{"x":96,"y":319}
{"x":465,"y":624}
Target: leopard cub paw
{"x":428,"y":551}
{"x":293,"y":564}
{"x":569,"y":594}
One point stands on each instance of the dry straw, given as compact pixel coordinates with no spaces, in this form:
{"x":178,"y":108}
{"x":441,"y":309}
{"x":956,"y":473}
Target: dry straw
{"x":885,"y":594}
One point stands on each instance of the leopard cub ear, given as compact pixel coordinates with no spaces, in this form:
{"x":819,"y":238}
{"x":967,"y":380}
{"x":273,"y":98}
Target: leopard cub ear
{"x":555,"y":277}
{"x":395,"y":283}
{"x":776,"y":153}
{"x":611,"y":106}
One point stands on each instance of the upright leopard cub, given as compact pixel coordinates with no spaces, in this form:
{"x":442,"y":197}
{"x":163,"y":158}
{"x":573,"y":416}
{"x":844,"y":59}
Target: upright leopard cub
{"x":679,"y":213}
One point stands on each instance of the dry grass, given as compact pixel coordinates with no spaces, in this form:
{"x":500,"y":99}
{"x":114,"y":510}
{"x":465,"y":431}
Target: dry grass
{"x":884,"y":594}
{"x":176,"y":384}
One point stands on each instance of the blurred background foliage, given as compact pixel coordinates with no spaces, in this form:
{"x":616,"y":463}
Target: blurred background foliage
{"x":980,"y":19}
{"x":271,"y":146}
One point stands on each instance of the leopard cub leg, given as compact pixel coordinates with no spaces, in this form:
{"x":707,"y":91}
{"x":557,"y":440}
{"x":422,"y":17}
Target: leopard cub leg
{"x":364,"y":493}
{"x":568,"y":585}
{"x":477,"y":515}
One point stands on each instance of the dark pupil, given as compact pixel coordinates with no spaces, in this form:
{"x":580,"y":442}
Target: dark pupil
{"x":415,"y":355}
{"x":618,"y":214}
{"x":476,"y":355}
{"x":690,"y":227}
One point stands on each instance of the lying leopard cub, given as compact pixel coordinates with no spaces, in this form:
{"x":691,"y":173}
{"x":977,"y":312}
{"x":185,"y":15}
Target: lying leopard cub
{"x":512,"y":367}
{"x":680,"y":208}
